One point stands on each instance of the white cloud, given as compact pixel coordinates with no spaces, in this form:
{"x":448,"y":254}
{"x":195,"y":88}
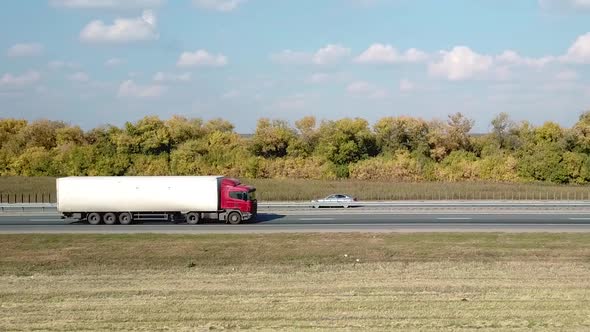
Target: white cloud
{"x":461,"y":63}
{"x":573,"y":4}
{"x":510,"y":57}
{"x":380,"y":53}
{"x":58,"y":64}
{"x":406,"y":86}
{"x":218,"y":5}
{"x":130,"y":89}
{"x":107,"y":4}
{"x":10,"y":80}
{"x":22,"y":50}
{"x":79,"y":77}
{"x":579,"y":52}
{"x":330,"y":54}
{"x":202,"y":58}
{"x":114,"y":62}
{"x":122,"y":30}
{"x":566,"y":75}
{"x":318,"y":78}
{"x":365,"y":89}
{"x":169,"y":77}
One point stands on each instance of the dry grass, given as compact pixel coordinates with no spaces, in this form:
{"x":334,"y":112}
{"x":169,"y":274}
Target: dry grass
{"x":289,"y":189}
{"x":295,"y":282}
{"x":298,"y":189}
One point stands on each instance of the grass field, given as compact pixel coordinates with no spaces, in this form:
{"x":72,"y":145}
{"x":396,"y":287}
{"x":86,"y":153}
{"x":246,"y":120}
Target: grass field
{"x":295,"y":282}
{"x":23,"y":189}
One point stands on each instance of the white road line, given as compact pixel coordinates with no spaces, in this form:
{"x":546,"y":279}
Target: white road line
{"x":454,"y":218}
{"x":579,"y":218}
{"x":315,"y":219}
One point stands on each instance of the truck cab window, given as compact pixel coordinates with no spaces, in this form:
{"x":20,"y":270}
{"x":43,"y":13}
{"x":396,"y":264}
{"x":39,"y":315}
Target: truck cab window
{"x":239,"y":195}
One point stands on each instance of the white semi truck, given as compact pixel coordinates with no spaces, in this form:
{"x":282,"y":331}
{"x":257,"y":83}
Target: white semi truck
{"x":124,"y":199}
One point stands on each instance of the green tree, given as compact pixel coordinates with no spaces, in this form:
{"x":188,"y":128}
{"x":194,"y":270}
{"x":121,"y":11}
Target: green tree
{"x":395,"y":133}
{"x":149,"y":165}
{"x":148,"y":136}
{"x":42,"y":133}
{"x":346,"y":141}
{"x":218,"y":124}
{"x":70,"y":136}
{"x":272,"y":138}
{"x":34,"y":161}
{"x":9,"y":129}
{"x":306,"y":138}
{"x":505,"y":132}
{"x":581,"y":134}
{"x":188,"y":158}
{"x":444,"y":138}
{"x":182,"y":129}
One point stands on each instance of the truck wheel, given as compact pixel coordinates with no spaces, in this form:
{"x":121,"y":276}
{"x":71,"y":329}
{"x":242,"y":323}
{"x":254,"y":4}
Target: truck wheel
{"x":193,"y":218}
{"x":234,"y":218}
{"x":94,"y":218}
{"x":125,"y":218}
{"x":109,"y":218}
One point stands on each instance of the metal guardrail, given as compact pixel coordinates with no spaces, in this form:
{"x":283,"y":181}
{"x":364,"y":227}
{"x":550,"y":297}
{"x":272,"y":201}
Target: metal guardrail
{"x":267,"y":206}
{"x":429,"y":203}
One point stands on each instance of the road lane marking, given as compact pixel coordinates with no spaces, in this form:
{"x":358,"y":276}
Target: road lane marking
{"x":579,"y":218}
{"x":316,"y":219}
{"x":454,"y":218}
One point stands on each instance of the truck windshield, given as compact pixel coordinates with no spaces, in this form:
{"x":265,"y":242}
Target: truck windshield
{"x":252,"y":196}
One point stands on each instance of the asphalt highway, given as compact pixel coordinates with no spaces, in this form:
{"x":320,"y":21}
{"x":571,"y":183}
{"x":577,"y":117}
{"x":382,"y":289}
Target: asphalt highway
{"x":324,"y":221}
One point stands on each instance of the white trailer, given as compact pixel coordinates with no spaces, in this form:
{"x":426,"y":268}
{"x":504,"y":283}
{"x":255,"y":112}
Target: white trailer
{"x":128,"y":198}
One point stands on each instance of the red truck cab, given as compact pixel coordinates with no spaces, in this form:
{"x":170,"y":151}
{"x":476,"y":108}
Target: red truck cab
{"x":238,"y":197}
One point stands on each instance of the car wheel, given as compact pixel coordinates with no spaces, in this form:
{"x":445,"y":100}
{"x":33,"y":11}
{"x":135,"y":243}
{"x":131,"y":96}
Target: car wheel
{"x":125,"y":218}
{"x":94,"y":218}
{"x":234,"y":218}
{"x":109,"y":218}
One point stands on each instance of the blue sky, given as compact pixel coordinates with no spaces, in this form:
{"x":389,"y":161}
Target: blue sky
{"x":92,"y":62}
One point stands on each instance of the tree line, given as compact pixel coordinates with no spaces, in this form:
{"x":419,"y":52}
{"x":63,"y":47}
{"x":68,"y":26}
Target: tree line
{"x":393,"y":149}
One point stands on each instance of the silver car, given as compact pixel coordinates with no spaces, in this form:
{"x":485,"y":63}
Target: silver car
{"x":335,"y":200}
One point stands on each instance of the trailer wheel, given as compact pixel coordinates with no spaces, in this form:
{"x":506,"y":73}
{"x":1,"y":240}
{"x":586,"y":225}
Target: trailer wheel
{"x":109,"y":218}
{"x":193,"y":218}
{"x":94,"y":218}
{"x":125,"y":218}
{"x":234,"y":218}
